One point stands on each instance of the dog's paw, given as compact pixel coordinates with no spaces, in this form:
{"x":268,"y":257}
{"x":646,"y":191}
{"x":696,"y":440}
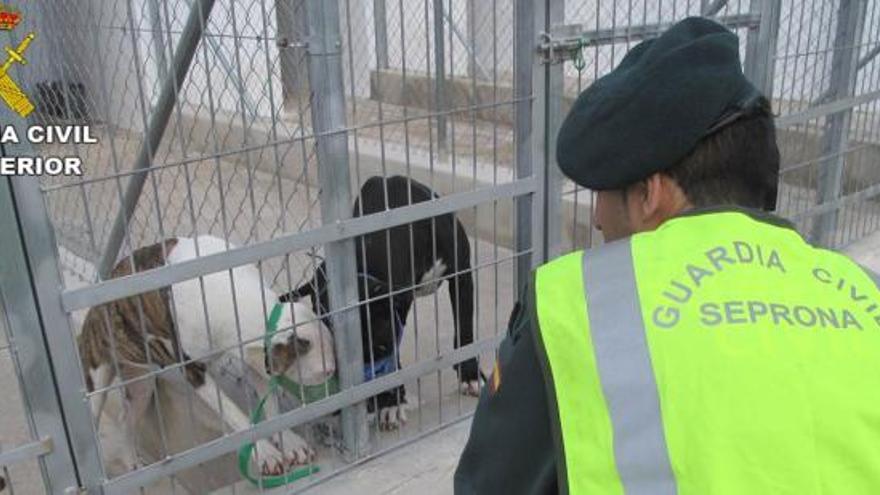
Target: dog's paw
{"x":269,"y":458}
{"x":392,"y":418}
{"x":298,"y":452}
{"x":470,"y":388}
{"x":130,"y":460}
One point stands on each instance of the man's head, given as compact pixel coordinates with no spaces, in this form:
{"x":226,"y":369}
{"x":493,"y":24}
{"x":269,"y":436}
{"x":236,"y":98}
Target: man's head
{"x":737,"y":165}
{"x":676,"y":125}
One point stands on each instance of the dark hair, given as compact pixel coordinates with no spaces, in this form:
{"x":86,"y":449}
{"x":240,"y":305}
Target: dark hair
{"x":736,"y":165}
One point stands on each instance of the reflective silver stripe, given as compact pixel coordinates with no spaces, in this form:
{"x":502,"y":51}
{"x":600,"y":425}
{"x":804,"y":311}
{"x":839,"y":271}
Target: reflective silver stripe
{"x":625,"y":371}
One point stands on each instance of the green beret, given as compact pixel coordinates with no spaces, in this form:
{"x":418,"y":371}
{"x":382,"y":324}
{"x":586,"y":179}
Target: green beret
{"x":647,"y":114}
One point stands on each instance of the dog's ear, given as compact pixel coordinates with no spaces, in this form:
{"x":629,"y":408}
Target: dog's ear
{"x":306,"y":289}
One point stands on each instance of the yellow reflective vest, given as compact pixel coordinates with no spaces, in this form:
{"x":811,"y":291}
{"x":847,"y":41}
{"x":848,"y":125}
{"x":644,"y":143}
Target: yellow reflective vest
{"x":715,"y":355}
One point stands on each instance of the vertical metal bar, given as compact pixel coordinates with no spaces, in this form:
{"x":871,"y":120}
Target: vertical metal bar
{"x":183,"y":55}
{"x":406,"y":147}
{"x":529,"y":132}
{"x":40,"y":249}
{"x":470,"y":41}
{"x":761,"y":45}
{"x":380,"y":22}
{"x":329,"y":121}
{"x":710,"y":9}
{"x":158,"y":37}
{"x":26,"y":331}
{"x":475,"y":68}
{"x":243,"y":103}
{"x":554,"y":179}
{"x":850,"y":21}
{"x":441,"y":103}
{"x":450,"y":100}
{"x":291,"y":29}
{"x":752,"y":48}
{"x":760,"y":63}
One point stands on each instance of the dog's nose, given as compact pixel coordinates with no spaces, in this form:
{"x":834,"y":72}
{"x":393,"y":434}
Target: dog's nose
{"x":272,"y":361}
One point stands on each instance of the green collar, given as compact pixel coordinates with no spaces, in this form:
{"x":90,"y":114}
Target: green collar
{"x":308,"y":393}
{"x":305,"y":393}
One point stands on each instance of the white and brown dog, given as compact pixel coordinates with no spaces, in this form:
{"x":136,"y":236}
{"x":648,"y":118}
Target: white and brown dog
{"x":188,"y":324}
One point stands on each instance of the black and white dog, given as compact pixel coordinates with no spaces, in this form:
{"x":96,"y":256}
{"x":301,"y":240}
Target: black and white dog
{"x":412,"y":261}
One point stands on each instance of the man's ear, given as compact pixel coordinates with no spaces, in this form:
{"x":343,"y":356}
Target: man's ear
{"x":651,"y":194}
{"x":654,"y":200}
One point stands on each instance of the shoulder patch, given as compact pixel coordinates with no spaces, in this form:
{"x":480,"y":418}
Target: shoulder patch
{"x":495,"y":379}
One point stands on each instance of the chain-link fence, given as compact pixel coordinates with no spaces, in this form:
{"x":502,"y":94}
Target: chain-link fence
{"x":260,"y":123}
{"x":357,"y":156}
{"x":821,"y":73}
{"x":825,"y":89}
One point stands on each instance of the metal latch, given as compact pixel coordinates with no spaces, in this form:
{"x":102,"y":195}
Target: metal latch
{"x":561,"y":50}
{"x":285,"y":42}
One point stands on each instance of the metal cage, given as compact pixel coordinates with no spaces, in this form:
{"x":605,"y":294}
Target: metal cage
{"x":258,"y":122}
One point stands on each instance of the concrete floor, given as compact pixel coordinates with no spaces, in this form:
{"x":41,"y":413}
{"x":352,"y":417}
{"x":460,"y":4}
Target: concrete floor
{"x":424,"y":468}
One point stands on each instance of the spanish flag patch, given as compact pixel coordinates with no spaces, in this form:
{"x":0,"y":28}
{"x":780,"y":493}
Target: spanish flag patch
{"x":495,"y":379}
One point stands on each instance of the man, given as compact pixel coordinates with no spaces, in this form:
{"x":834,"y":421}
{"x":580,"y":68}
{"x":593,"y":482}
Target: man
{"x":709,"y":349}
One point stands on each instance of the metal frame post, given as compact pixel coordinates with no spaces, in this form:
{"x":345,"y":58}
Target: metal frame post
{"x":761,"y":45}
{"x":469,"y":41}
{"x":158,"y":38}
{"x":533,"y":130}
{"x":528,"y":117}
{"x":42,"y":254}
{"x":380,"y":23}
{"x":28,"y":336}
{"x":709,"y":8}
{"x":183,"y":56}
{"x":329,"y":121}
{"x":292,"y":28}
{"x":44,"y":326}
{"x":441,"y":100}
{"x":474,"y":67}
{"x":555,"y":90}
{"x":844,"y":66}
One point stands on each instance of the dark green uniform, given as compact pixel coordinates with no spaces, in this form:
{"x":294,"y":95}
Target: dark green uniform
{"x":511,"y":447}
